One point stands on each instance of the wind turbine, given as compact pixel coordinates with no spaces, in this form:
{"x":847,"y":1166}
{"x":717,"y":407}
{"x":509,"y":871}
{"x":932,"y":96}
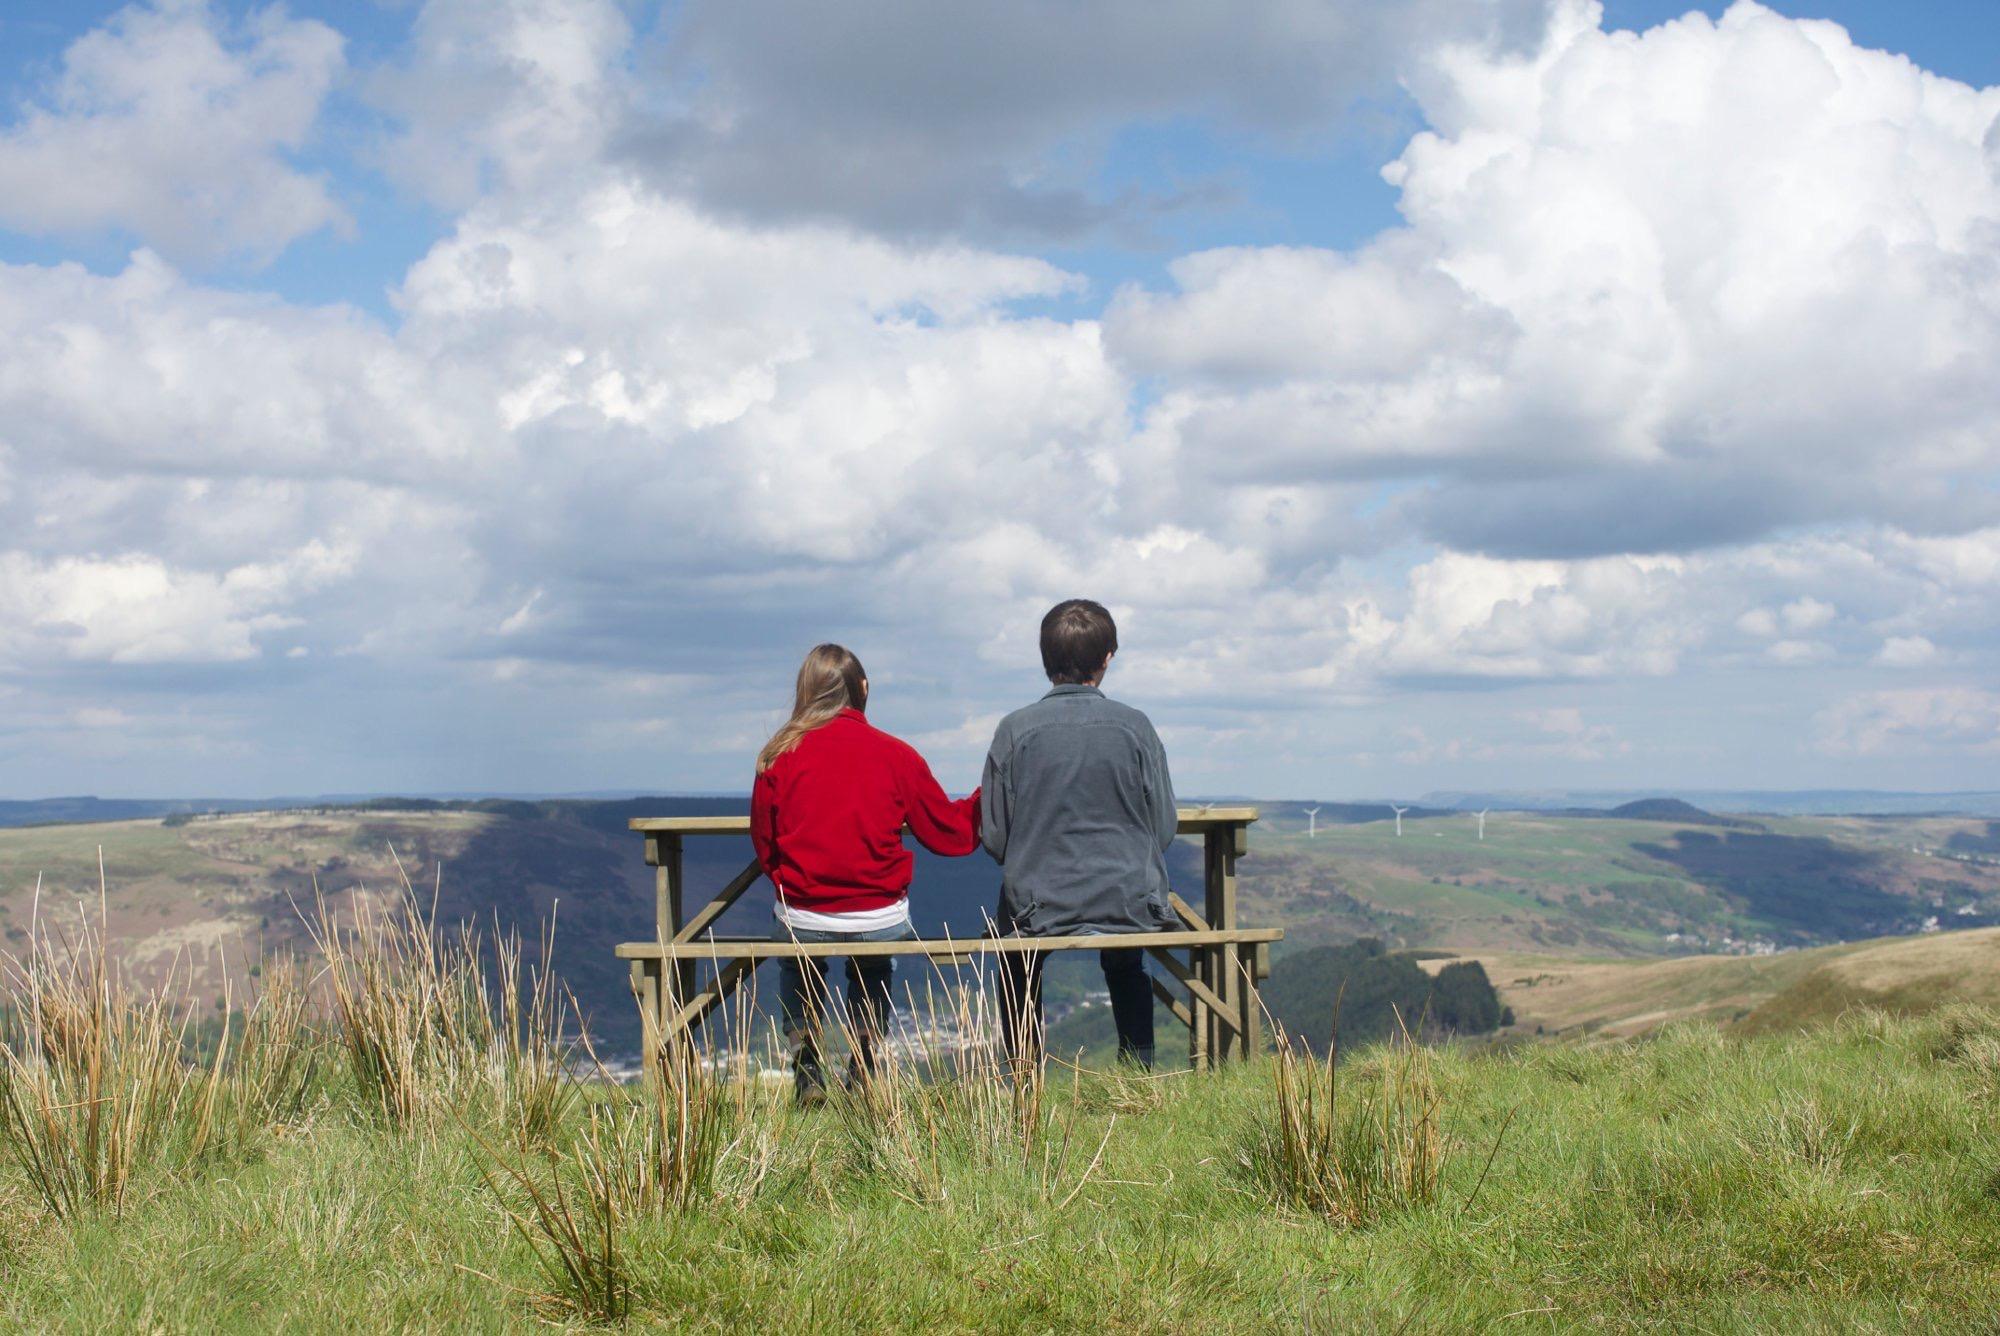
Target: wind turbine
{"x":1399,"y":818}
{"x":1312,"y":823}
{"x":1482,"y":821}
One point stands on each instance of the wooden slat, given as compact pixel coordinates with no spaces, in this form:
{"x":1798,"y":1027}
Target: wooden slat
{"x":646,"y":984}
{"x":1253,"y":1012}
{"x":1174,"y":1004}
{"x":1193,"y":821}
{"x":709,"y":998}
{"x":1199,"y":989}
{"x":1221,"y":960}
{"x":706,"y":916}
{"x":764,"y":948}
{"x":1194,"y":921}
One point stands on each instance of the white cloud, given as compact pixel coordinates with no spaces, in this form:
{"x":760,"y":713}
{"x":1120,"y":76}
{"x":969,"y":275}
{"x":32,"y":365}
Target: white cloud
{"x":620,"y":435}
{"x":1915,"y":720}
{"x":503,"y":94}
{"x":1570,"y":735}
{"x":174,"y":124}
{"x":1480,"y":617}
{"x":1806,"y":614}
{"x":1656,"y":292}
{"x":135,"y":609}
{"x":1907,"y":652}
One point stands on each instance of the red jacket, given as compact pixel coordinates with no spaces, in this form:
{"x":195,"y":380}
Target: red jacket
{"x":827,"y":818}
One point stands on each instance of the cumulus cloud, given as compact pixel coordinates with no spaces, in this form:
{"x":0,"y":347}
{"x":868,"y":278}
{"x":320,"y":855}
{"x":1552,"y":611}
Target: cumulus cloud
{"x":916,"y":117}
{"x":1701,"y":275}
{"x":134,"y":609}
{"x":1635,"y":397}
{"x":511,"y":94}
{"x":1907,"y":652}
{"x":1920,"y":720}
{"x":176,"y":125}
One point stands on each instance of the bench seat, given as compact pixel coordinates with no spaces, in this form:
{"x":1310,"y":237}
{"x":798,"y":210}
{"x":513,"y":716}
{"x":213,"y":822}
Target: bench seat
{"x":764,"y":948}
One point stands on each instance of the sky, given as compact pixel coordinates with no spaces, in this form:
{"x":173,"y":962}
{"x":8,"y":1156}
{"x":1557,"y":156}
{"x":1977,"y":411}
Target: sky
{"x":502,"y":395}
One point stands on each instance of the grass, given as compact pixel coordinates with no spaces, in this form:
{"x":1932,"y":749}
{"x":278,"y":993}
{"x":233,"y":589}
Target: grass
{"x":1845,"y":1179}
{"x":401,"y":1142}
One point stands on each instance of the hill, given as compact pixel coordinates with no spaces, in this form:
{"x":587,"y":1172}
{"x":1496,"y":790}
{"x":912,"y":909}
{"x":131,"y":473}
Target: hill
{"x":1674,"y":810}
{"x":1911,"y":975}
{"x":208,"y":893}
{"x":66,"y":811}
{"x":211,"y":895}
{"x":1606,"y":885}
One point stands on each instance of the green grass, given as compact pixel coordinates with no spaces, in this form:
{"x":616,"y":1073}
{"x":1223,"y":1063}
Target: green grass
{"x":1847,"y":1179}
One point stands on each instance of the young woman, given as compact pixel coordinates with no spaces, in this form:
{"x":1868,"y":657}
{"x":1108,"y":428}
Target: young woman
{"x":832,"y":797}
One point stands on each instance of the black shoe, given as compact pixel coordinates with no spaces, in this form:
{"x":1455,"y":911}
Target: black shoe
{"x":859,"y":1076}
{"x":808,"y":1086}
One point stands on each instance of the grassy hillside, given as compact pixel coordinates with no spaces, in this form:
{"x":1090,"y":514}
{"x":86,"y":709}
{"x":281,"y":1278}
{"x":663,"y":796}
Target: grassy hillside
{"x":1910,"y":976}
{"x":1555,"y":995}
{"x":1848,"y":1180}
{"x":1570,"y":885}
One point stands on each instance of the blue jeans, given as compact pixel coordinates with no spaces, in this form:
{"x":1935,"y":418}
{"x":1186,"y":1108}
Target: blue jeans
{"x":1125,"y":978}
{"x":806,"y":1001}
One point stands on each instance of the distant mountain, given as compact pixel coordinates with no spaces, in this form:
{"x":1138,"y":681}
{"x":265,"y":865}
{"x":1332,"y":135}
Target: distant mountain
{"x":1344,"y":814}
{"x":1674,"y":810}
{"x":65,"y":811}
{"x":1773,"y":802}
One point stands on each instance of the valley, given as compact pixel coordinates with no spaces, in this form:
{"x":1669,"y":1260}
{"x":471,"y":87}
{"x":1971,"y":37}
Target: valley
{"x":1580,"y":920}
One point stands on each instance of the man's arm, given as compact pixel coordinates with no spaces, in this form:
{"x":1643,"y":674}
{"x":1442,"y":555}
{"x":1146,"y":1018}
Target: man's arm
{"x":995,"y":800}
{"x":1159,"y":788}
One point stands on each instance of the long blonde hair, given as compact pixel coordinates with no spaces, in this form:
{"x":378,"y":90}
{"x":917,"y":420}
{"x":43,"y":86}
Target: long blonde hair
{"x":830,"y":680}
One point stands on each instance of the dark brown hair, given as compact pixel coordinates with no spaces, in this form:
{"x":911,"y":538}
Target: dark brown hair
{"x":1077,"y":637}
{"x":830,"y":680}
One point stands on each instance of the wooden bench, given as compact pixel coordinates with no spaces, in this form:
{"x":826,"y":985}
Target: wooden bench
{"x":1215,"y":962}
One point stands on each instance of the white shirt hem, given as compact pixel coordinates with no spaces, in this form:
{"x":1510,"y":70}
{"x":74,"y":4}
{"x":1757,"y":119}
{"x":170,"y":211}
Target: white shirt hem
{"x":859,"y":920}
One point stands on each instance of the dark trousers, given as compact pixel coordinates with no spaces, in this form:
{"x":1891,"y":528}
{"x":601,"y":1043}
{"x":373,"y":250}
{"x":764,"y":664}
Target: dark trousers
{"x":1125,"y":977}
{"x":807,"y":1002}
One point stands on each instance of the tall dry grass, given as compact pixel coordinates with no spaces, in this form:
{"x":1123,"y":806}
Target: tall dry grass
{"x":97,"y":1082}
{"x":428,"y":1023}
{"x":1351,"y":1145}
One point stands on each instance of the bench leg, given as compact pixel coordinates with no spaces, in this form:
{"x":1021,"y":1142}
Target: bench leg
{"x":646,"y":989}
{"x":1253,"y":1019}
{"x":1198,"y":1011}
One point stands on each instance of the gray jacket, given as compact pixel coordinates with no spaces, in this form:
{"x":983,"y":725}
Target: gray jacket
{"x":1078,"y":809}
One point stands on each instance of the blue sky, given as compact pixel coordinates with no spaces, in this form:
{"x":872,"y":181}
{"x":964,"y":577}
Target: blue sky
{"x":500,"y":394}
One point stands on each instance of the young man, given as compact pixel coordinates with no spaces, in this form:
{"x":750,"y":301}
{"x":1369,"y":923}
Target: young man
{"x":1078,"y":809}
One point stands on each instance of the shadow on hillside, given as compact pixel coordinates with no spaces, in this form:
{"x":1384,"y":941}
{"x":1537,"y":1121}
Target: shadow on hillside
{"x":1807,"y":886}
{"x":1963,"y":842}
